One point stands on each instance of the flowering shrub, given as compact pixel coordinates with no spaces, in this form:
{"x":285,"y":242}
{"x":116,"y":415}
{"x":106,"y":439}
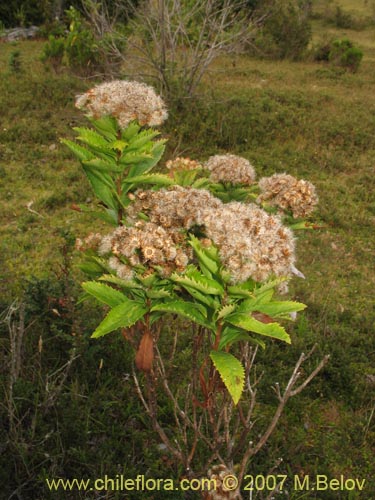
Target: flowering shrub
{"x":184,"y":244}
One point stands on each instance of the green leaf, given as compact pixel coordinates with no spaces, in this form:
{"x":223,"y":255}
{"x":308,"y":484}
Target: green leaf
{"x":107,"y":126}
{"x":157,"y":179}
{"x":103,"y":186}
{"x":225,"y":310}
{"x":126,"y":284}
{"x":205,"y":259}
{"x":200,"y":283}
{"x":91,"y":138}
{"x":232,"y":334}
{"x":148,"y":163}
{"x":285,"y":307}
{"x":250,"y":324}
{"x":122,"y":316}
{"x":104,"y":293}
{"x":104,"y":165}
{"x":81,"y":153}
{"x":194,"y":312}
{"x":130,"y":131}
{"x":231,"y":371}
{"x":271,"y":284}
{"x":142,"y":139}
{"x":249,"y":305}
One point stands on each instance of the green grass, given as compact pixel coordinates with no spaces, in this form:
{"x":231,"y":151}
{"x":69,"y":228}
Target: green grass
{"x":308,"y":119}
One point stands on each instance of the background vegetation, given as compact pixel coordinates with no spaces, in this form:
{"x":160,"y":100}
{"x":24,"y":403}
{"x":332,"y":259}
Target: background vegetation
{"x":72,"y":410}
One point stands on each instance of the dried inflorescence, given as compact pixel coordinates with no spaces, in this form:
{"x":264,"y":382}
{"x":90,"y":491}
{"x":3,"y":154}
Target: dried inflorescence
{"x":225,"y":484}
{"x":181,"y":163}
{"x":251,"y":242}
{"x":289,"y":193}
{"x":230,"y":168}
{"x":125,"y":100}
{"x":173,"y":207}
{"x":145,"y":244}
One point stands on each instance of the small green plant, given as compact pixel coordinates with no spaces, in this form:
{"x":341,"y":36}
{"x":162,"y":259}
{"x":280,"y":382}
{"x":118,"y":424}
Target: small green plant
{"x":15,"y":64}
{"x":82,"y":50}
{"x":344,"y":53}
{"x":53,"y":52}
{"x":341,"y":52}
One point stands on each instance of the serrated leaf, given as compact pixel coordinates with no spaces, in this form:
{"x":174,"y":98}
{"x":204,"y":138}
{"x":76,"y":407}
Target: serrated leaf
{"x":122,"y":316}
{"x":103,"y":186}
{"x":134,"y":158}
{"x":253,"y":304}
{"x":118,"y":145}
{"x":130,"y":131}
{"x":147,"y":164}
{"x":157,"y":179}
{"x":270,"y":284}
{"x":104,"y":165}
{"x":231,"y":371}
{"x":232,"y":334}
{"x":276,"y":309}
{"x":104,"y":293}
{"x":107,"y":126}
{"x":250,"y":324}
{"x":126,"y":284}
{"x":91,"y":138}
{"x":81,"y":153}
{"x":225,"y":310}
{"x":142,"y":139}
{"x":194,"y":312}
{"x":200,"y":283}
{"x":205,"y":259}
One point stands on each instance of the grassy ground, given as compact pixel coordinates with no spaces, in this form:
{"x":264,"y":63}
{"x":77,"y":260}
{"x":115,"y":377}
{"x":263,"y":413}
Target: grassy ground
{"x":308,"y":119}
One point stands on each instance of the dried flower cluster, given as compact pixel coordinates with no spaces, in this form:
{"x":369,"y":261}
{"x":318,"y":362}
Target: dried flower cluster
{"x":289,"y":193}
{"x":181,"y":163}
{"x":251,"y":243}
{"x":174,"y":207}
{"x":224,"y":481}
{"x":230,"y":168}
{"x":125,"y":100}
{"x":146,"y":244}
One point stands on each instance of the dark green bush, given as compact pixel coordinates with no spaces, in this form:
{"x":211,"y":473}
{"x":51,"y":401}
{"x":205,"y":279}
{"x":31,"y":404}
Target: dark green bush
{"x":344,"y":53}
{"x":340,"y":53}
{"x":82,"y":50}
{"x":286,"y":31}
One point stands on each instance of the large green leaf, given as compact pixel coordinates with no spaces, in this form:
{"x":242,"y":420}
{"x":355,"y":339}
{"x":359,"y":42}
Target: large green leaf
{"x":194,"y":312}
{"x":104,"y":165}
{"x":231,"y":372}
{"x":91,"y":138}
{"x":281,"y":308}
{"x":141,"y":139}
{"x":107,"y":126}
{"x":232,"y":334}
{"x":122,"y":316}
{"x":251,"y":324}
{"x":200,"y":283}
{"x":81,"y":153}
{"x":104,"y":293}
{"x":148,"y":163}
{"x":103,"y":186}
{"x":157,"y":179}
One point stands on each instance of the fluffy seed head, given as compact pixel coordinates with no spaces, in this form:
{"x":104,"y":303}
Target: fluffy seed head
{"x":230,"y":168}
{"x":125,"y":100}
{"x":181,"y":163}
{"x":289,"y":193}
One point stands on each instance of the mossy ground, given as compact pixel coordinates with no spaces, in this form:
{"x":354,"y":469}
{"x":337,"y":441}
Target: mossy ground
{"x":308,"y":119}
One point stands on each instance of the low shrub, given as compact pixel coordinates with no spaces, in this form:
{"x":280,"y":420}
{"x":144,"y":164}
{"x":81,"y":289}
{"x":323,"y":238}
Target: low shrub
{"x":341,"y":52}
{"x":344,"y":53}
